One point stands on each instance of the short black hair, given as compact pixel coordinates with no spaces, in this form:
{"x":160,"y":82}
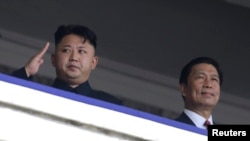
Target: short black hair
{"x":187,"y":68}
{"x":80,"y":30}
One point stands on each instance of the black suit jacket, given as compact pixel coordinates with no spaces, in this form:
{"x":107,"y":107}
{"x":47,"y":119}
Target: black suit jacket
{"x":185,"y":119}
{"x":83,"y":89}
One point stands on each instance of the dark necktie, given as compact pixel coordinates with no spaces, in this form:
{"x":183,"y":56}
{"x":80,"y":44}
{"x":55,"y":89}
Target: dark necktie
{"x":206,"y":123}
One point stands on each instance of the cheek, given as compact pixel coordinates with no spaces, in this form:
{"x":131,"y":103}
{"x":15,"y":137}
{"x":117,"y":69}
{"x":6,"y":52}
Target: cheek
{"x":60,"y":60}
{"x":216,"y":87}
{"x":195,"y":87}
{"x":63,"y":56}
{"x":85,"y":61}
{"x":217,"y":91}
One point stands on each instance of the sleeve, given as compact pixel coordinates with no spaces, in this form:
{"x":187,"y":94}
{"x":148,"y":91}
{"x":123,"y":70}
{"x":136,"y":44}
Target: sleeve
{"x":21,"y":73}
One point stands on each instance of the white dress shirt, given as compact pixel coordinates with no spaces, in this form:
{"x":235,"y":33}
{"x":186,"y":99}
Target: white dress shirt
{"x":197,"y":119}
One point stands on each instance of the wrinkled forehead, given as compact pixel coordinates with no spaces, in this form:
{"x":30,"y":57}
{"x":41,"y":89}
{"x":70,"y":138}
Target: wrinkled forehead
{"x":204,"y":68}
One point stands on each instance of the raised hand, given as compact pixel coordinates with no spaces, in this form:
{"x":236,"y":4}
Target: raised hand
{"x":33,"y":65}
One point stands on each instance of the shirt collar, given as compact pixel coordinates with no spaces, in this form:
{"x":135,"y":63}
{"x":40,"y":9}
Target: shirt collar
{"x":197,"y":119}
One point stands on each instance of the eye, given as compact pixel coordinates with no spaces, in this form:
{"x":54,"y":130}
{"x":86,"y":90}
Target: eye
{"x":82,"y":51}
{"x":65,"y":50}
{"x":201,"y":77}
{"x":215,"y":79}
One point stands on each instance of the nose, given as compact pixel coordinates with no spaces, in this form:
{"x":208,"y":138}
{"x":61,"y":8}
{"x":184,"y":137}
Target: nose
{"x":207,"y":83}
{"x":73,"y":56}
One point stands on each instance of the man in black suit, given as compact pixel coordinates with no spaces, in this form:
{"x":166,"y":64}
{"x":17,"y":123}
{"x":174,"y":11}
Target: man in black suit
{"x":199,"y":84}
{"x":74,"y":59}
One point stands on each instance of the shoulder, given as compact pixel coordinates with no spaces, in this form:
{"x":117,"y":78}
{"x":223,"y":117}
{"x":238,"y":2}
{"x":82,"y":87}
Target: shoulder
{"x":184,"y":118}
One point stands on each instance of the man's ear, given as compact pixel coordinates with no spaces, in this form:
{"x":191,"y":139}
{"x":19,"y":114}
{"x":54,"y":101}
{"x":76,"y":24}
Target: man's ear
{"x":95,"y":60}
{"x":182,"y":88}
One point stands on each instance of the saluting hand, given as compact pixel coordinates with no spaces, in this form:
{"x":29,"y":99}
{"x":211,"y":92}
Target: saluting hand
{"x":33,"y":65}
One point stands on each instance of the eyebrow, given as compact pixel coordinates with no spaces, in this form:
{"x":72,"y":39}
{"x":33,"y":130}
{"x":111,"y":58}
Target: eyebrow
{"x":67,"y":45}
{"x":201,"y":72}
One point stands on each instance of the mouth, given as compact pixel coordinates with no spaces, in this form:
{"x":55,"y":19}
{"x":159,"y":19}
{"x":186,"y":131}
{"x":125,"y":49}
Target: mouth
{"x":73,"y":67}
{"x":207,"y":93}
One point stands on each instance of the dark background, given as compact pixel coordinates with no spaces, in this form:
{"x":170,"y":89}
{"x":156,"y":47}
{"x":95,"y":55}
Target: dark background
{"x":156,"y":35}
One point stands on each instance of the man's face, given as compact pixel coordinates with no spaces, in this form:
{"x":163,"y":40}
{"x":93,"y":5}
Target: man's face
{"x":203,"y":87}
{"x":74,"y":59}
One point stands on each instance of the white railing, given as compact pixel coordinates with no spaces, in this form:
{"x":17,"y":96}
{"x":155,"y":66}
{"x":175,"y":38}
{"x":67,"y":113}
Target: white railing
{"x":30,"y":111}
